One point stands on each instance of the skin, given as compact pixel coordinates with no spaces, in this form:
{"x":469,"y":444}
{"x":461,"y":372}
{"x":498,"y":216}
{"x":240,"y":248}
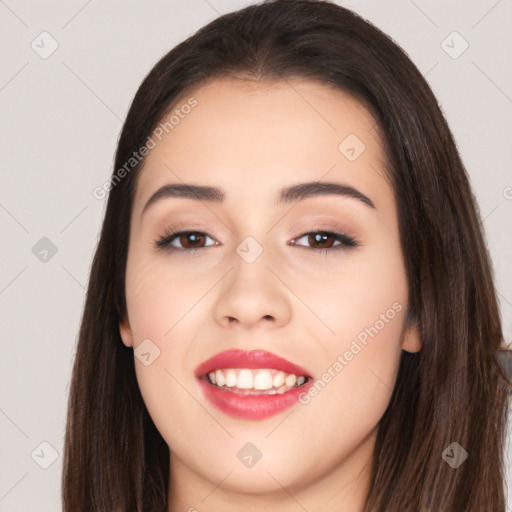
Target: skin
{"x":296,"y":301}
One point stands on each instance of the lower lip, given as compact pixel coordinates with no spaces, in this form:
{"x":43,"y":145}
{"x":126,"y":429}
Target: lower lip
{"x":251,"y":407}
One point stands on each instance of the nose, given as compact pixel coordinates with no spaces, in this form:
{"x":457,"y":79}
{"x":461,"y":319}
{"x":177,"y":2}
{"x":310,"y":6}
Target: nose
{"x":251,"y":295}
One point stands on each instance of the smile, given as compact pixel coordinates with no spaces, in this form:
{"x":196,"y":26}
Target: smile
{"x":251,"y":385}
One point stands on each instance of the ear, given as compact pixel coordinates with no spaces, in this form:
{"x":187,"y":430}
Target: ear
{"x":411,"y":339}
{"x":126,"y":333}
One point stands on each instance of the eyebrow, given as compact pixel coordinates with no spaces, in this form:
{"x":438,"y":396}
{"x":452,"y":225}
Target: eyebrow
{"x":286,"y":195}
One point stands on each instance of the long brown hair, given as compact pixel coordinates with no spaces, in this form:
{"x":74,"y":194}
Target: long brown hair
{"x":114,"y":457}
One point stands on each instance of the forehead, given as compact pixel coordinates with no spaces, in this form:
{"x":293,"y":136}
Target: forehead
{"x":252,"y":136}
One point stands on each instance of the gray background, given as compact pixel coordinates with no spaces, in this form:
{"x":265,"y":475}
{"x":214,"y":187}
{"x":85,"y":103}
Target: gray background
{"x":61,"y":118}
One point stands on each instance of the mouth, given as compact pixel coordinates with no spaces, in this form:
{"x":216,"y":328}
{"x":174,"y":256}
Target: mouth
{"x":251,"y":385}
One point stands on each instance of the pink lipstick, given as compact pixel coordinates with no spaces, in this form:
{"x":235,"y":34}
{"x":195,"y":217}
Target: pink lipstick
{"x":252,"y":384}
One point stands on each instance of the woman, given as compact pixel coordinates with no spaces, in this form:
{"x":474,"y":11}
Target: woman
{"x":227,"y":361}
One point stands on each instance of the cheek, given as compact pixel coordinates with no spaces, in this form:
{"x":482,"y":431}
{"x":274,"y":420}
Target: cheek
{"x":351,"y":292}
{"x":353,"y":391}
{"x":159,"y":296}
{"x":166,"y":307}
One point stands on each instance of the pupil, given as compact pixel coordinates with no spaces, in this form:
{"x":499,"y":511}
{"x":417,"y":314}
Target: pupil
{"x":192,"y":238}
{"x":317,"y":237}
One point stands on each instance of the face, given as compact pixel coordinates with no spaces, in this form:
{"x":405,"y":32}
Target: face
{"x":307,"y":283}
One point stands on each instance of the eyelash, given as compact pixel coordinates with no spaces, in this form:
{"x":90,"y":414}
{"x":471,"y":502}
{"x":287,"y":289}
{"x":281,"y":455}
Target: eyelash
{"x":346,"y":242}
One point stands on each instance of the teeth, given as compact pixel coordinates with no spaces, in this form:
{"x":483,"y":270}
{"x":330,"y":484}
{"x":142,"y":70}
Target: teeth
{"x":268,"y":380}
{"x":230,"y":378}
{"x":219,"y":378}
{"x":290,"y":380}
{"x":263,"y":380}
{"x":279,"y":379}
{"x":244,"y":380}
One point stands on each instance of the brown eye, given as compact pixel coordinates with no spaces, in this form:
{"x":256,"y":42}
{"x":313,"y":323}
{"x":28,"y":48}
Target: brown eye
{"x":188,"y":240}
{"x":323,"y":240}
{"x":191,"y":239}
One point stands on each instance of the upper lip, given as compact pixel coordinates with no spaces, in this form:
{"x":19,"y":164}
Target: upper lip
{"x":252,"y":359}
